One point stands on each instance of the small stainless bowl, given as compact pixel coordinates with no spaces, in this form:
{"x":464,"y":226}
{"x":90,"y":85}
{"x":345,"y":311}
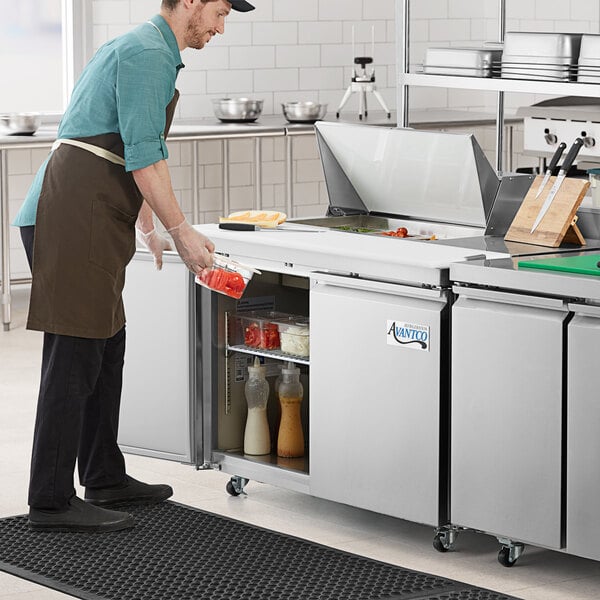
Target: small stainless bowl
{"x":20,"y":123}
{"x":304,"y":112}
{"x":237,"y":110}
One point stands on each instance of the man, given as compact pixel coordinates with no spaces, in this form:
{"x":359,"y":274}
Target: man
{"x":105,"y":177}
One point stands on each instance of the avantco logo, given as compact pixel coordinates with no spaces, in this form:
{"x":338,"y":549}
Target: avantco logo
{"x":408,"y":335}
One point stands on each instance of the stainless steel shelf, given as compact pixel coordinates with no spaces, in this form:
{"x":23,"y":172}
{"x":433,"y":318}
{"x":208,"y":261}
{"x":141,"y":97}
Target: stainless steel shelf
{"x":277,"y":354}
{"x":497,"y":84}
{"x":288,"y":473}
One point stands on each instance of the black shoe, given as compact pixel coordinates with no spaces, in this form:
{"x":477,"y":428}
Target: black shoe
{"x":80,"y":516}
{"x":131,"y":492}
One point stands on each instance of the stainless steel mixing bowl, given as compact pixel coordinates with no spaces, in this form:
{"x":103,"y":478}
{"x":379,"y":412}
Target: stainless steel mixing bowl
{"x":303,"y":112}
{"x":20,"y":123}
{"x":237,"y":110}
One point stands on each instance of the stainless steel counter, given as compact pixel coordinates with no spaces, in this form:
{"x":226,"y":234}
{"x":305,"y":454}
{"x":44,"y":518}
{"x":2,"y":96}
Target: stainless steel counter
{"x":505,"y":273}
{"x":203,"y":129}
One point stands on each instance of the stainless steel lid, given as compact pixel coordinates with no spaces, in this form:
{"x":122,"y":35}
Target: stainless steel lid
{"x":435,"y":176}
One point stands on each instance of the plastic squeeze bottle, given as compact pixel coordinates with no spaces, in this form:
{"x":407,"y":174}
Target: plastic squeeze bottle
{"x":257,"y":439}
{"x":290,"y":441}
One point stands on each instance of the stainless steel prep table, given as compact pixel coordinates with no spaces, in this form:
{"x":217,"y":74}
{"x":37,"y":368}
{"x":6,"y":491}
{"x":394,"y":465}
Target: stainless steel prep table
{"x":202,"y":129}
{"x":525,"y":409}
{"x":200,"y":419}
{"x":360,"y":292}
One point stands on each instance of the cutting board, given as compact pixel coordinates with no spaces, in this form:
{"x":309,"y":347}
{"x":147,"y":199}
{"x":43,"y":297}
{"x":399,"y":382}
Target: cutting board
{"x":588,"y":264}
{"x":558,"y":224}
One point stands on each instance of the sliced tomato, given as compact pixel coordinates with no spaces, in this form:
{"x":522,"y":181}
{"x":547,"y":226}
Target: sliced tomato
{"x":269,"y":337}
{"x":236,"y":282}
{"x":252,"y":335}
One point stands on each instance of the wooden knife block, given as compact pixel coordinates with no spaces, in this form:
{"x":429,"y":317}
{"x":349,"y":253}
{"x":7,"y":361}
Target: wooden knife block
{"x":558,"y":224}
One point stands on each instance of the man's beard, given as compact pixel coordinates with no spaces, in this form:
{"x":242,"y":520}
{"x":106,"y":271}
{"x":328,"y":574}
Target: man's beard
{"x":195,"y":39}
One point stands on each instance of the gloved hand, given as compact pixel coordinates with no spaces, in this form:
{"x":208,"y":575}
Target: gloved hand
{"x":194,"y":248}
{"x":156,"y":243}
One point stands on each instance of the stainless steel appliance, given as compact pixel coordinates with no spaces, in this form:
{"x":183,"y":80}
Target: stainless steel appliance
{"x":524,"y":411}
{"x":377,"y":379}
{"x":550,"y":122}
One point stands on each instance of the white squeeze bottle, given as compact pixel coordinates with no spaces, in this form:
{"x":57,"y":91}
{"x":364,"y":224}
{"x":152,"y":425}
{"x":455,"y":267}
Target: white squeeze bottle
{"x":257,"y":439}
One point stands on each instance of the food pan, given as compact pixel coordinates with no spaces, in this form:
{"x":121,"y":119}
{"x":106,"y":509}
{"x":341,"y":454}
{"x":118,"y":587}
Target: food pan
{"x":473,"y":62}
{"x":538,"y":71}
{"x":545,"y":56}
{"x":553,"y":48}
{"x":589,"y":59}
{"x":376,"y":225}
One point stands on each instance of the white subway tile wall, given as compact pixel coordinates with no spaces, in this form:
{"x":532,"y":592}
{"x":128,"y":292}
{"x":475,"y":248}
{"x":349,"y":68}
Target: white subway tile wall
{"x":289,"y":50}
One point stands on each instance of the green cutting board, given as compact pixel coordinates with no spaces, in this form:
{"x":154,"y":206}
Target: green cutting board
{"x":587,"y":264}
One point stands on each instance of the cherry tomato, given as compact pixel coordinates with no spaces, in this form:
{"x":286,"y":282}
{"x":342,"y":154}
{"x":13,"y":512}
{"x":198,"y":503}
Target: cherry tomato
{"x":401,"y":232}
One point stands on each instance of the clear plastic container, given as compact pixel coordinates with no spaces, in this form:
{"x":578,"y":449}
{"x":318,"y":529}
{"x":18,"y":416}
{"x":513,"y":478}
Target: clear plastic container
{"x":290,"y":438}
{"x":226,"y":277}
{"x":294,"y":336}
{"x":257,"y":438}
{"x":260,"y":329}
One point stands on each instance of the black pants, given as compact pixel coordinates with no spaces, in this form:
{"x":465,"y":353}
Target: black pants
{"x":77,"y":413}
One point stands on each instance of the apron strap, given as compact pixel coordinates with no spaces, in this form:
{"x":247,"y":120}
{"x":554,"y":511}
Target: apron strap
{"x":101,"y":152}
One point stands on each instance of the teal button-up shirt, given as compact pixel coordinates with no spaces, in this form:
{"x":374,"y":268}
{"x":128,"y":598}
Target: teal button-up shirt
{"x":124,"y":89}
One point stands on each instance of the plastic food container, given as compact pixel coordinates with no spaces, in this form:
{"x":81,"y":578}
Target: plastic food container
{"x":294,"y":336}
{"x":260,"y":329}
{"x":226,"y":277}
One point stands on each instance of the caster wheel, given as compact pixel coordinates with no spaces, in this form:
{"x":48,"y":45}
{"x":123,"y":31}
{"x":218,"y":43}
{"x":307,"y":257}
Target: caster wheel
{"x":505,"y":558}
{"x":438,"y":544}
{"x":337,"y":115}
{"x":231,"y":490}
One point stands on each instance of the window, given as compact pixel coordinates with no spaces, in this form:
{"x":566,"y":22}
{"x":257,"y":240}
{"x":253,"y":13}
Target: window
{"x":43,"y":44}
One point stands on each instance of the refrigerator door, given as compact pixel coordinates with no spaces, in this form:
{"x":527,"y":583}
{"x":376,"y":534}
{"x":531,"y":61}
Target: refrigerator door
{"x":158,"y":405}
{"x":507,"y":415}
{"x":583,"y":441}
{"x":376,"y":395}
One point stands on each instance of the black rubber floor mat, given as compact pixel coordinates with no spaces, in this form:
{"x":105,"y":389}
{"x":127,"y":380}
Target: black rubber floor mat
{"x":176,"y":552}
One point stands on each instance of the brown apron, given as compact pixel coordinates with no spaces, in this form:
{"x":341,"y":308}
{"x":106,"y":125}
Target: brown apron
{"x":84,"y":239}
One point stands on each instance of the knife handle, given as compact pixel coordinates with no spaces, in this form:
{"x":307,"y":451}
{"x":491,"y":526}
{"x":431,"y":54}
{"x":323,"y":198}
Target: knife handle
{"x":573,"y":151}
{"x":238,"y":226}
{"x":556,"y":157}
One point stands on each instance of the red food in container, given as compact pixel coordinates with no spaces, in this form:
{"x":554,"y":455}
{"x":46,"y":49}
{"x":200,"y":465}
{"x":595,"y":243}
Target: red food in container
{"x":226,"y":277}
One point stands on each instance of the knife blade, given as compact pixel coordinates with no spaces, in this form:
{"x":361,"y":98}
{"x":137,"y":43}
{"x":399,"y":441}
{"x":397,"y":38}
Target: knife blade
{"x":564,"y":169}
{"x":252,"y":227}
{"x":551,"y":167}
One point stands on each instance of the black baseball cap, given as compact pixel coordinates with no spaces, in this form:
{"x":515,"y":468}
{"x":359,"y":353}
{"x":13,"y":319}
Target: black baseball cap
{"x":241,"y":5}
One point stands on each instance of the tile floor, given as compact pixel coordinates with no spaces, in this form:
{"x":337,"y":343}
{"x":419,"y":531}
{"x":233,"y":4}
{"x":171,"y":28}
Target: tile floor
{"x":539,"y":574}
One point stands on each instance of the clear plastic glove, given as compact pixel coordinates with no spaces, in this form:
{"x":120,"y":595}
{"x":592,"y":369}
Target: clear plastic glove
{"x":194,"y":248}
{"x":156,"y":243}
